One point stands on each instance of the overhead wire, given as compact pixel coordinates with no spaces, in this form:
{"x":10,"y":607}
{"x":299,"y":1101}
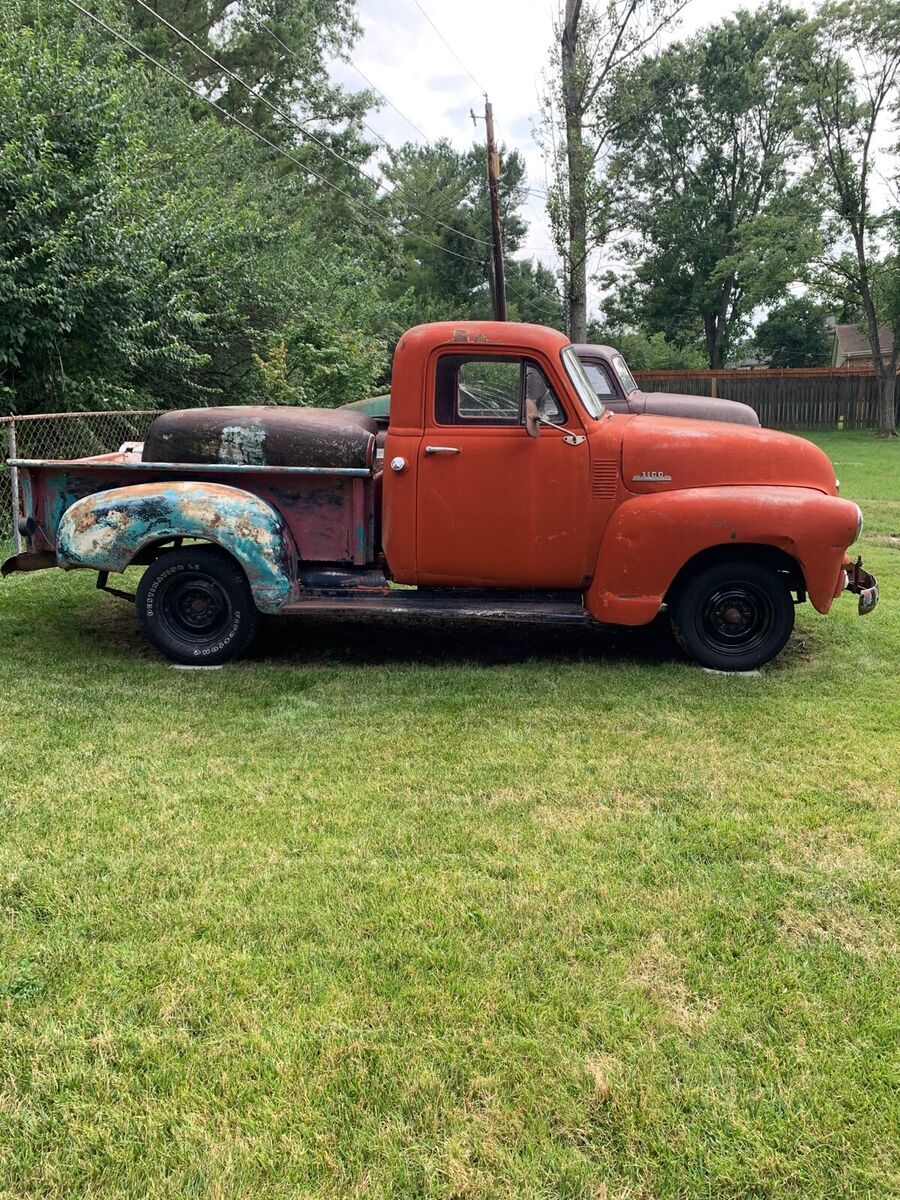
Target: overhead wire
{"x":386,"y":99}
{"x":293,"y":53}
{"x":552,"y":298}
{"x":353,"y":200}
{"x":477,"y":82}
{"x":300,"y":129}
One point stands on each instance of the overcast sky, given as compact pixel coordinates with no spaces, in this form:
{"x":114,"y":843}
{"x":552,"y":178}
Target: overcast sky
{"x":505,"y":44}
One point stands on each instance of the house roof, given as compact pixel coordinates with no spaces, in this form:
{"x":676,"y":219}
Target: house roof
{"x":854,"y":343}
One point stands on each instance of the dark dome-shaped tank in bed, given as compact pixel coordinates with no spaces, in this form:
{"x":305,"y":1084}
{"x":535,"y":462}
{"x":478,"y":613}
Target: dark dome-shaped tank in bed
{"x":264,"y":437}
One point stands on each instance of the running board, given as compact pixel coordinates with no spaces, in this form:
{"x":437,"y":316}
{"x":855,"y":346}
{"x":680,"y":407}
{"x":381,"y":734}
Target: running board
{"x":445,"y":604}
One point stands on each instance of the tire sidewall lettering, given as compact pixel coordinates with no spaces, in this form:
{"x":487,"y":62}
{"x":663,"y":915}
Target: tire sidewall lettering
{"x":219,"y":570}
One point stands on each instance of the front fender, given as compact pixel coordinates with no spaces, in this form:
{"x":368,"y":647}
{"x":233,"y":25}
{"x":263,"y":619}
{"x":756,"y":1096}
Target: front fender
{"x":649,"y":539}
{"x":105,"y":531}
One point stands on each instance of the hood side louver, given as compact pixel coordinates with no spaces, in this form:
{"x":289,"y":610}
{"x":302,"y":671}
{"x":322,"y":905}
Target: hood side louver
{"x":604,"y":478}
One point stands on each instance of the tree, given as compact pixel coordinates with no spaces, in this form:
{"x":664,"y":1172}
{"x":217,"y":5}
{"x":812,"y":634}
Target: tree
{"x":150,"y":255}
{"x":847,"y":99}
{"x":532,"y":294}
{"x":706,"y":165}
{"x":439,"y":201}
{"x":279,"y":47}
{"x":595,"y":42}
{"x":647,"y":353}
{"x":794,"y":334}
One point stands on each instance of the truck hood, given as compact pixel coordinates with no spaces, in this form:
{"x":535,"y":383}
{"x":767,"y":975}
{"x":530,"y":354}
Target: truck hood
{"x":668,"y":453}
{"x":704,"y":408}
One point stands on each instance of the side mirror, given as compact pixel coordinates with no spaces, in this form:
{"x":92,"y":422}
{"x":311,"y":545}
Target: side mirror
{"x":532,"y":419}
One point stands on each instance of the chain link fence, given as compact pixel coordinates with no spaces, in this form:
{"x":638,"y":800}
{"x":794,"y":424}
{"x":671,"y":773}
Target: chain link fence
{"x":60,"y":435}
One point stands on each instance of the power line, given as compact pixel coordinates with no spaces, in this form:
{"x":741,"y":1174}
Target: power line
{"x":479,"y":85}
{"x":354,"y":200}
{"x":293,"y":53}
{"x":300,"y":129}
{"x":387,"y":99}
{"x":556,"y":311}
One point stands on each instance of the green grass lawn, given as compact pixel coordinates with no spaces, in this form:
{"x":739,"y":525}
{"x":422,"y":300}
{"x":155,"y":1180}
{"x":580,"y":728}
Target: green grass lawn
{"x":386,"y":912}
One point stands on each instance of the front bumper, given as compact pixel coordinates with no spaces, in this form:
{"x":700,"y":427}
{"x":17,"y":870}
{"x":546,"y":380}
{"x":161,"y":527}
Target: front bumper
{"x":861,"y":583}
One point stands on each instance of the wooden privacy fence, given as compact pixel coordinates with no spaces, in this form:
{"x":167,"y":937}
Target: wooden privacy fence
{"x":799,"y":398}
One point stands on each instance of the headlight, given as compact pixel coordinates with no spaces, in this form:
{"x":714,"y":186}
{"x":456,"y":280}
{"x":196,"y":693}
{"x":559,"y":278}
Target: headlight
{"x":859,"y":523}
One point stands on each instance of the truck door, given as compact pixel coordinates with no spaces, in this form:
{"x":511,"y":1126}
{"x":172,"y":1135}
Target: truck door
{"x":496,"y":507}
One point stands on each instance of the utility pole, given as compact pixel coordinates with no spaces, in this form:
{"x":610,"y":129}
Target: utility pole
{"x":498,"y":290}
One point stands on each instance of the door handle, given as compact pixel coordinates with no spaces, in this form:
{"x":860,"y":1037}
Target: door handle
{"x":442,"y":449}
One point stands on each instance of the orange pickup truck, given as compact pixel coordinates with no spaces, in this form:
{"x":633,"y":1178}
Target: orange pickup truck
{"x":503,"y":490}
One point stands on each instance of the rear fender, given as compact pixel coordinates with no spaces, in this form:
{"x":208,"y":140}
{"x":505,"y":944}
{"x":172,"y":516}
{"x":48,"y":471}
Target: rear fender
{"x":650,"y":538}
{"x":107,"y":530}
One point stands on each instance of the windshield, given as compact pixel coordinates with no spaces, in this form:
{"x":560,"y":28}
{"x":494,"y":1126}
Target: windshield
{"x":580,"y":382}
{"x":625,"y":376}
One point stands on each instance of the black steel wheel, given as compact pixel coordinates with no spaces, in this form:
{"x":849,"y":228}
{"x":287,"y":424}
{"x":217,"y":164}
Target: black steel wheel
{"x":195,"y":606}
{"x":733,"y":616}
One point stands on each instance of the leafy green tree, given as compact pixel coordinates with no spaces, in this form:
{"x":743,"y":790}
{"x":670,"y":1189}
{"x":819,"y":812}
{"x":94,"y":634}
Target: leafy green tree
{"x":707,"y":168}
{"x":532,"y":294}
{"x":794,"y":334}
{"x":848,"y":60}
{"x":439,"y":202}
{"x":645,"y":352}
{"x":595,"y":43}
{"x":148,"y":252}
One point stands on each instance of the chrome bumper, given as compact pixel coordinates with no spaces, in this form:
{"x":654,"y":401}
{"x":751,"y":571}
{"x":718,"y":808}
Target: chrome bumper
{"x":863,"y":584}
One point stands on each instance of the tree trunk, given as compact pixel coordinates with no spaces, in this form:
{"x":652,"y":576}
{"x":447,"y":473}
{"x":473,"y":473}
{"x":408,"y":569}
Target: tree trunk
{"x":886,"y":372}
{"x":713,"y":334}
{"x":887,"y":385}
{"x":576,"y":258}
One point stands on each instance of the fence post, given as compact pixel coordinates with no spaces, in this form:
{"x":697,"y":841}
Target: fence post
{"x":14,"y":486}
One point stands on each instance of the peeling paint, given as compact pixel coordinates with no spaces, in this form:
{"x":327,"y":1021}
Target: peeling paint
{"x":243,"y":444}
{"x":106,"y":530}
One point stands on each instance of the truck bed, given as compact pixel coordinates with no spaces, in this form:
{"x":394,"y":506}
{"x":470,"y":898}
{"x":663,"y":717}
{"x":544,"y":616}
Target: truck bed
{"x":330,"y":511}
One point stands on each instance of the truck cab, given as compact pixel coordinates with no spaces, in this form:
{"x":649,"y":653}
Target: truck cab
{"x":472,"y":498}
{"x":504,"y":489}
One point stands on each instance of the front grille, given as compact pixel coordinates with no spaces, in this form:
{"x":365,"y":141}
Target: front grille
{"x":604,"y":477}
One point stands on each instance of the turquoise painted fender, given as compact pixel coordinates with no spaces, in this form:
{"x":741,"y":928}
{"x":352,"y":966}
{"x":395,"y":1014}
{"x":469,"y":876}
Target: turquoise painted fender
{"x":106,"y":530}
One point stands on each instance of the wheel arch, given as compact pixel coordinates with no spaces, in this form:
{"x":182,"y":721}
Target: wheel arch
{"x":651,"y":540}
{"x":121,"y":527}
{"x":761,"y":553}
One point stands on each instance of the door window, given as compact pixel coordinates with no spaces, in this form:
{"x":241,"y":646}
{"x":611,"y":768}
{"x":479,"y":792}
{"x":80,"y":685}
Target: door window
{"x":491,"y":391}
{"x":599,"y":379}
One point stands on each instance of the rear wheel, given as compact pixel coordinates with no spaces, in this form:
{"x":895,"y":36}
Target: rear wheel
{"x":733,"y":616}
{"x":195,"y":606}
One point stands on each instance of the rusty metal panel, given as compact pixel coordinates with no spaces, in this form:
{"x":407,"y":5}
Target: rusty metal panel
{"x":106,"y":530}
{"x":325,"y":509}
{"x":262,"y":436}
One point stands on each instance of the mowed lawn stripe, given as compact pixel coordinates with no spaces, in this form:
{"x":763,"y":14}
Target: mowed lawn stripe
{"x":450,"y":912}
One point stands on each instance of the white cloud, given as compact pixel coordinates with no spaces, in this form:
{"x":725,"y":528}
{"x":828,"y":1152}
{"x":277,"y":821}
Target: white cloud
{"x":506,"y":45}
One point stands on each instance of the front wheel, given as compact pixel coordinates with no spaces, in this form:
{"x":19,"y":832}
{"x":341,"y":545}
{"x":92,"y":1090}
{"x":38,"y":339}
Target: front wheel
{"x":195,"y":606}
{"x":733,"y":616}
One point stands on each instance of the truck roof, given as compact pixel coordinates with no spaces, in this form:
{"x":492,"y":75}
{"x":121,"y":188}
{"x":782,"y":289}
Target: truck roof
{"x":415,"y":346}
{"x":508,"y":333}
{"x":589,"y":348}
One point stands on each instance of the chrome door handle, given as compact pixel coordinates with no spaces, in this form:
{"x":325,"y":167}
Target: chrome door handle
{"x":442,"y":449}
